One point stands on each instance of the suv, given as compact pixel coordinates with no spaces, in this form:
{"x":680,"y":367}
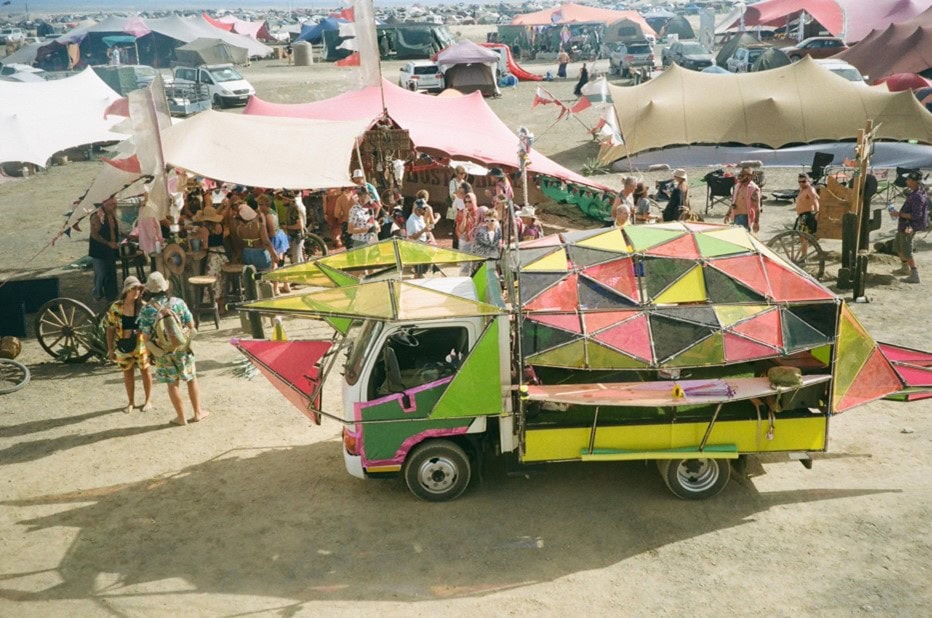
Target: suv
{"x":744,"y":58}
{"x":687,"y":54}
{"x":625,"y":56}
{"x":816,"y":47}
{"x":421,"y":75}
{"x":224,"y":83}
{"x":12,"y":35}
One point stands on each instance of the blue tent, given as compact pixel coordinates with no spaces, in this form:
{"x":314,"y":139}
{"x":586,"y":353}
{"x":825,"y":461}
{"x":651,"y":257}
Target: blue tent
{"x":315,"y":33}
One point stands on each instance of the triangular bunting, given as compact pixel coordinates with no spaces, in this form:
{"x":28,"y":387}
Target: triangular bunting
{"x":709,"y":351}
{"x":690,"y":288}
{"x":730,"y":314}
{"x":596,"y":321}
{"x":876,"y":379}
{"x":644,"y":237}
{"x":481,"y":366}
{"x":764,"y":327}
{"x":618,"y":275}
{"x":747,"y":269}
{"x":631,"y":337}
{"x":738,"y":349}
{"x":555,"y":261}
{"x":682,"y":247}
{"x":561,"y":297}
{"x":611,"y":240}
{"x":788,"y":285}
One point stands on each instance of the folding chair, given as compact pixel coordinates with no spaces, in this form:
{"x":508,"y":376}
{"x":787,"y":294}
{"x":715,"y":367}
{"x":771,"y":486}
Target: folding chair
{"x":820,"y":161}
{"x":718,"y":189}
{"x":897,"y":188}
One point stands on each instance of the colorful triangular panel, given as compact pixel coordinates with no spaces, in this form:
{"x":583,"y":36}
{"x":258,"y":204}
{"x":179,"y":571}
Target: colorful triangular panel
{"x":580,"y":236}
{"x":722,"y":289}
{"x":611,"y":240}
{"x":566,"y":321}
{"x":631,"y":337}
{"x":659,"y":273}
{"x":618,"y":275}
{"x":690,"y":288}
{"x":730,"y":314}
{"x":876,"y":379}
{"x":709,"y":351}
{"x":821,"y":316}
{"x":594,"y":296}
{"x":533,"y":284}
{"x":672,"y":336}
{"x":555,"y":261}
{"x":601,"y":357}
{"x":854,"y":347}
{"x":570,"y":355}
{"x":738,"y":349}
{"x":308,"y":273}
{"x":581,"y":257}
{"x":790,"y":285}
{"x":712,"y":246}
{"x":798,"y":335}
{"x":734,"y":235}
{"x":547,"y":241}
{"x":747,"y":269}
{"x":561,"y":297}
{"x":682,"y":247}
{"x":467,"y":394}
{"x":526,"y":256}
{"x":764,"y":327}
{"x":536,"y":338}
{"x":596,"y":321}
{"x":701,"y":315}
{"x":702,"y":227}
{"x":646,"y":236}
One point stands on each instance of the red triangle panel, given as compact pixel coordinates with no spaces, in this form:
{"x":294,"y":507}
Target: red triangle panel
{"x":747,"y":269}
{"x":565,"y":321}
{"x":631,"y":337}
{"x":738,"y":349}
{"x":618,"y":275}
{"x":682,"y":247}
{"x":603,"y":319}
{"x":764,"y":327}
{"x":788,"y":285}
{"x":876,"y":379}
{"x":561,"y":297}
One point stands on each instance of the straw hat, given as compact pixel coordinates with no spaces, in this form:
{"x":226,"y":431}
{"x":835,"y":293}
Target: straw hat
{"x":528,"y":211}
{"x":156,"y":283}
{"x":679,"y":173}
{"x":129,"y":283}
{"x":209,"y":213}
{"x":174,"y":259}
{"x":246,"y":213}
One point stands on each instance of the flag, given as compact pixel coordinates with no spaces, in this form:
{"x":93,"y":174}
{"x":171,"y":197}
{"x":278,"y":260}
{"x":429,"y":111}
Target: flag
{"x":361,"y":40}
{"x":565,"y":34}
{"x":581,"y":104}
{"x":544,"y":97}
{"x":120,"y":107}
{"x":128,"y":164}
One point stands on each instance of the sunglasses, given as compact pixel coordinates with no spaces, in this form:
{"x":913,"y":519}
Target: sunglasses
{"x":802,"y":182}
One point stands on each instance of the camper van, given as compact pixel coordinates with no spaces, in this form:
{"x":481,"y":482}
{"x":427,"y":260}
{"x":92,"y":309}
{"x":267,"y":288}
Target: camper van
{"x":224,"y":83}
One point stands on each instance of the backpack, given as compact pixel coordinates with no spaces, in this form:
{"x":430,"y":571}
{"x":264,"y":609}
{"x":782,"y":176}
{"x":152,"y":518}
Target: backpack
{"x":169,"y":334}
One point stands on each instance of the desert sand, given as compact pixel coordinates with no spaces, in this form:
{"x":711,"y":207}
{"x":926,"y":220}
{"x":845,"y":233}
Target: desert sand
{"x":251,"y":511}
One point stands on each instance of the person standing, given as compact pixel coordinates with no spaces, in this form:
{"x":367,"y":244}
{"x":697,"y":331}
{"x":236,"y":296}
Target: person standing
{"x":251,"y":239}
{"x":103,"y":249}
{"x":807,"y":212}
{"x":563,"y":59}
{"x":583,"y":80}
{"x":125,"y":346}
{"x":623,"y":207}
{"x":912,"y":217}
{"x":745,"y":202}
{"x":295,"y":226}
{"x":361,"y":223}
{"x":171,"y":367}
{"x":679,"y":197}
{"x":359,"y":177}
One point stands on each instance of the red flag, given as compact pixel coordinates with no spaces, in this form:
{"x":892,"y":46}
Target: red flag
{"x":349,"y":14}
{"x":353,"y":60}
{"x":129,"y":164}
{"x":120,"y":107}
{"x":581,"y":104}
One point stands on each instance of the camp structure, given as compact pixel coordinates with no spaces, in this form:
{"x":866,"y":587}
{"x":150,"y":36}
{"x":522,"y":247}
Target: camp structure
{"x":313,"y":33}
{"x":42,"y":118}
{"x":772,"y":58}
{"x":624,"y":30}
{"x":680,"y":27}
{"x":731,"y":46}
{"x":210,"y":51}
{"x":904,"y":47}
{"x":773,"y":108}
{"x":507,"y":63}
{"x":255,"y":30}
{"x":577,"y":13}
{"x":145,"y":41}
{"x":412,"y":41}
{"x":468,"y":67}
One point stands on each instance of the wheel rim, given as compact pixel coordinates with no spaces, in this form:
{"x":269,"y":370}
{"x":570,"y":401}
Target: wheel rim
{"x":437,"y":474}
{"x":790,"y":245}
{"x":697,"y":475}
{"x":13,"y":376}
{"x":63,"y":325}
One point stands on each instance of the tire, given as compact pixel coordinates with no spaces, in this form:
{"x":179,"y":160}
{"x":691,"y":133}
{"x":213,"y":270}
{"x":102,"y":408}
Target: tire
{"x":218,"y":102}
{"x":695,"y":479}
{"x":437,"y":471}
{"x":314,"y":247}
{"x":13,"y":376}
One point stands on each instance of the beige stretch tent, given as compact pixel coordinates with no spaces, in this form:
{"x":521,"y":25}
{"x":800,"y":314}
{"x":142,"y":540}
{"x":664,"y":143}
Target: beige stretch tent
{"x":795,"y":104}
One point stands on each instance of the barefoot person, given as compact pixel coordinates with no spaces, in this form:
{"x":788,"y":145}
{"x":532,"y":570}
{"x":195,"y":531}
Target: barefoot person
{"x":171,"y":367}
{"x":124,"y":342}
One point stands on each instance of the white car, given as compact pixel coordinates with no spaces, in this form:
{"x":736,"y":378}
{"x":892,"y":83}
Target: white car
{"x":421,"y":75}
{"x":224,"y":84}
{"x":843,"y":69}
{"x":744,"y":58}
{"x":12,"y":35}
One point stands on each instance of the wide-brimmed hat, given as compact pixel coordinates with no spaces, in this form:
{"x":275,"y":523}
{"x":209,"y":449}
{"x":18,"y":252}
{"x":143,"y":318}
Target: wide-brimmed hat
{"x":246,"y":213}
{"x":528,"y":211}
{"x":156,"y":283}
{"x":358,"y":173}
{"x":917,"y":176}
{"x":679,"y":173}
{"x":208,"y":213}
{"x":129,"y":283}
{"x":496,"y":172}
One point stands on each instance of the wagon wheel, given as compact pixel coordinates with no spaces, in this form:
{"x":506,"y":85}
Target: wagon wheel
{"x":13,"y":376}
{"x":64,"y":326}
{"x":790,"y":245}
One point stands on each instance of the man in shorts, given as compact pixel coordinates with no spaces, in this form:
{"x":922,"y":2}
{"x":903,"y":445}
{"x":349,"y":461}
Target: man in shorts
{"x":807,"y":211}
{"x":911,"y":218}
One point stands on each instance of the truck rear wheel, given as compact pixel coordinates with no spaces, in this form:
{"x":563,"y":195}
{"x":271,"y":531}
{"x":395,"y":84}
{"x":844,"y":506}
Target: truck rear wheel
{"x":437,"y":471}
{"x":695,"y":479}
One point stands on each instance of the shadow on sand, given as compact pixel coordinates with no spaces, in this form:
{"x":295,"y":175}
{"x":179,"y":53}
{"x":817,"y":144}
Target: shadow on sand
{"x":290,"y":523}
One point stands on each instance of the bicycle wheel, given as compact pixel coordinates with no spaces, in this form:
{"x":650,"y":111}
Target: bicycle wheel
{"x":314,"y":247}
{"x":13,"y":376}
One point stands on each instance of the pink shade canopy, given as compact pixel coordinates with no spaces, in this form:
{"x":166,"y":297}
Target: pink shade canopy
{"x":459,"y":127}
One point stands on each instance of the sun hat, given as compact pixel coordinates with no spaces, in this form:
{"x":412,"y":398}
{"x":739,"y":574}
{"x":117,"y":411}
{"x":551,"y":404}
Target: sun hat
{"x":528,"y":211}
{"x":496,"y":172}
{"x":679,"y":173}
{"x":358,"y":173}
{"x":246,"y":213}
{"x":209,"y":213}
{"x":129,"y":283}
{"x":917,"y":176}
{"x":156,"y":283}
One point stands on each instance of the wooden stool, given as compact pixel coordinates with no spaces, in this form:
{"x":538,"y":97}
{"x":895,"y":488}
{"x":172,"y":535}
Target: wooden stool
{"x":233,"y":282}
{"x":200,"y":285}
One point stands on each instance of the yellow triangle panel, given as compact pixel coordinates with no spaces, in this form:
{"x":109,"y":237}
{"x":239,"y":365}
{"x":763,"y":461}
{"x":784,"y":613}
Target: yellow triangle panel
{"x":602,"y":357}
{"x":308,"y":273}
{"x":571,"y":355}
{"x":369,"y":256}
{"x":709,"y":351}
{"x":609,"y":241}
{"x":414,"y":253}
{"x":555,"y":261}
{"x":734,"y":235}
{"x":690,"y":288}
{"x":472,"y":391}
{"x":729,"y":315}
{"x":854,"y":348}
{"x":647,"y":236}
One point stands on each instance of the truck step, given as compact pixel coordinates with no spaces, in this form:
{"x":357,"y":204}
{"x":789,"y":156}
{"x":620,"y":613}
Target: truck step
{"x":711,"y":451}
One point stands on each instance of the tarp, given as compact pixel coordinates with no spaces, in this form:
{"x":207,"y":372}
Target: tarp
{"x":478,"y":135}
{"x":849,"y":19}
{"x":256,"y":30}
{"x":904,"y":81}
{"x":625,"y":29}
{"x":314,"y":33}
{"x":680,"y":27}
{"x":905,"y":47}
{"x":569,"y":13}
{"x":771,"y":108}
{"x":42,"y":118}
{"x":772,"y":58}
{"x":210,"y":51}
{"x":202,"y":144}
{"x":513,"y":67}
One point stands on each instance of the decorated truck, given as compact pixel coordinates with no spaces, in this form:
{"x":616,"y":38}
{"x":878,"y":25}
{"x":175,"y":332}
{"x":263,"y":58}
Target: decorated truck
{"x":688,"y":344}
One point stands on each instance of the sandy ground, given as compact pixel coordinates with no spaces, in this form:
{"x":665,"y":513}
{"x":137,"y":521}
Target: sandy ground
{"x":251,"y":512}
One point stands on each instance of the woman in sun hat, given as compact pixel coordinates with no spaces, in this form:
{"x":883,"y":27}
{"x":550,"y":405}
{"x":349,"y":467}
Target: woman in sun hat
{"x":679,"y":197}
{"x":124,"y":342}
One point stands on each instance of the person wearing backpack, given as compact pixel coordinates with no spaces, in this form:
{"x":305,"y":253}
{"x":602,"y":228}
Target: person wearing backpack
{"x":912,"y":217}
{"x":167,"y":328}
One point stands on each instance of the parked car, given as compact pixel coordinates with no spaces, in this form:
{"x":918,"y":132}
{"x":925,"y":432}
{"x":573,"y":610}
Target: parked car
{"x":224,"y":83}
{"x":843,"y":69}
{"x":687,"y":54}
{"x":816,"y":47}
{"x":421,"y":75}
{"x":623,"y":58}
{"x":744,"y":58}
{"x":12,"y":35}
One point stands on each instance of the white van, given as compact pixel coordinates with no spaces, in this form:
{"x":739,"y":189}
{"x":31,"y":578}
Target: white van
{"x":224,"y":83}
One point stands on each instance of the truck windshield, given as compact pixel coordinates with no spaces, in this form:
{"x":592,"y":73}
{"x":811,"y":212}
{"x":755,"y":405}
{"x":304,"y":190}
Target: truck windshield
{"x":227,"y":74}
{"x":361,"y":338}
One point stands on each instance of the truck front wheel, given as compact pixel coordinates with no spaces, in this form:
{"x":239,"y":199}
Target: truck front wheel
{"x":695,"y":479}
{"x":437,"y":471}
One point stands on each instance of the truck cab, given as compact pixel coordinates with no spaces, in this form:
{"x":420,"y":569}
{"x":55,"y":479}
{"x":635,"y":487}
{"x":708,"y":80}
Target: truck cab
{"x":225,"y":85}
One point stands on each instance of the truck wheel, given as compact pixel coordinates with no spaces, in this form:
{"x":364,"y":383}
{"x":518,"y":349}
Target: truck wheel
{"x":437,"y":471}
{"x":218,"y":102}
{"x":695,"y":479}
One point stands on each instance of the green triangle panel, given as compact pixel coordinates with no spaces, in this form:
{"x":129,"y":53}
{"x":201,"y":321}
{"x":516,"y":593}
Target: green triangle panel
{"x":601,"y":357}
{"x":538,"y":337}
{"x":672,"y":336}
{"x":722,"y":289}
{"x":340,"y":278}
{"x":709,"y":351}
{"x":571,"y":355}
{"x":660,"y":273}
{"x":413,"y":253}
{"x":533,"y":284}
{"x":643,"y":237}
{"x":308,"y":273}
{"x":821,"y":316}
{"x":710,"y":246}
{"x":595,"y":297}
{"x":701,"y":315}
{"x":340,"y":324}
{"x":473,"y":390}
{"x":526,"y":256}
{"x":480,"y":279}
{"x":823,"y":354}
{"x":798,"y":335}
{"x":583,"y":256}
